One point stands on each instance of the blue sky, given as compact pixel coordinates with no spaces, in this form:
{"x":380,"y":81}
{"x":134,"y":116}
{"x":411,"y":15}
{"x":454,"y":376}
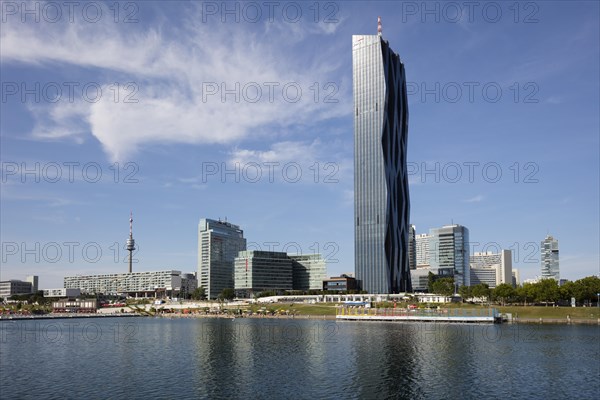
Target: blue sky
{"x":247,"y":115}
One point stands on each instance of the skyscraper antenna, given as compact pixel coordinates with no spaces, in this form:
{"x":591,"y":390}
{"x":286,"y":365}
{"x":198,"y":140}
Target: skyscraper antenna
{"x":379,"y":30}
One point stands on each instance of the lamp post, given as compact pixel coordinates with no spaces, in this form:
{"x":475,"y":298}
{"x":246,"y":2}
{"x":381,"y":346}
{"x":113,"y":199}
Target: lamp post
{"x":598,"y":301}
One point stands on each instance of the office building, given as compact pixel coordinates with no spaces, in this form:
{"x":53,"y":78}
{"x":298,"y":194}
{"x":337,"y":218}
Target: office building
{"x":308,"y":271}
{"x":189,"y":283}
{"x":160,"y":284}
{"x":14,"y":287}
{"x":381,"y":198}
{"x":420,"y":279}
{"x":62,"y":292}
{"x":449,"y":253}
{"x":412,"y":248}
{"x":491,"y":268}
{"x":483,"y":275}
{"x":516,"y":278}
{"x":260,"y":271}
{"x":218,"y":245}
{"x":342,"y":283}
{"x":549,"y":257}
{"x":422,"y":250}
{"x":33,"y":279}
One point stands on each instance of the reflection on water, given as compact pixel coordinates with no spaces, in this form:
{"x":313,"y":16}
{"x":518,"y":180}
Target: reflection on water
{"x":288,"y":358}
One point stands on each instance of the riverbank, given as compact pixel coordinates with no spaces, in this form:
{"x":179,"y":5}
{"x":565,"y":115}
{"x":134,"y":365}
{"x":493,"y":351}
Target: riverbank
{"x":16,"y":317}
{"x":327,"y":311}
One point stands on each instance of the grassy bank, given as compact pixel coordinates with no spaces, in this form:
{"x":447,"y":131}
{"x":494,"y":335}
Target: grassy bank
{"x":525,"y":312}
{"x":553,"y":312}
{"x":319,"y":309}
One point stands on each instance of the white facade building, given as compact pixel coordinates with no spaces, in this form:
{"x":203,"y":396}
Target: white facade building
{"x":62,"y":292}
{"x":492,"y":268}
{"x":136,"y":284}
{"x":422,"y":250}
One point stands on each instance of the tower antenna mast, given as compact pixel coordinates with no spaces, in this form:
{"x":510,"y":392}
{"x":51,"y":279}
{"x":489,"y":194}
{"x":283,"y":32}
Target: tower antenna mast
{"x":130,"y":242}
{"x":379,"y":30}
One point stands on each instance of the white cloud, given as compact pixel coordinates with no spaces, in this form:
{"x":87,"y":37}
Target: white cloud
{"x":282,"y":152}
{"x":175,"y":70}
{"x":475,"y":199}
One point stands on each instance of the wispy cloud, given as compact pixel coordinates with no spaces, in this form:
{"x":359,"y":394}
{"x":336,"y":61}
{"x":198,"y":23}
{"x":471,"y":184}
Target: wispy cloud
{"x":45,"y":199}
{"x":193,"y":84}
{"x":475,"y":199}
{"x":281,"y":152}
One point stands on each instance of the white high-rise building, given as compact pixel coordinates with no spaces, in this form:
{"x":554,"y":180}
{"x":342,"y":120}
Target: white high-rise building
{"x":549,"y":256}
{"x":491,"y":268}
{"x":422,"y":250}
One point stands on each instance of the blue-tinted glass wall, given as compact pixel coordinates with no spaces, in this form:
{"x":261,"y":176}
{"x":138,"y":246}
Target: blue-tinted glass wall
{"x":449,"y":253}
{"x":381,"y":198}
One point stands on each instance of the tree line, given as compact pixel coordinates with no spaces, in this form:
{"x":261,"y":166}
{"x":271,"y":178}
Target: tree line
{"x":585,"y":291}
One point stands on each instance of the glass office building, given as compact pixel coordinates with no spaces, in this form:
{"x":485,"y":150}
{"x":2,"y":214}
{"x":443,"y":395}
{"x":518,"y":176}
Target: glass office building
{"x":449,"y":253}
{"x":218,"y":245}
{"x":309,"y":271}
{"x":381,"y":199}
{"x":259,"y":271}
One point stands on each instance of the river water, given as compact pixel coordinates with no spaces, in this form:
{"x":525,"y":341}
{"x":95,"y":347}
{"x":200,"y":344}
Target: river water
{"x":295,"y":358}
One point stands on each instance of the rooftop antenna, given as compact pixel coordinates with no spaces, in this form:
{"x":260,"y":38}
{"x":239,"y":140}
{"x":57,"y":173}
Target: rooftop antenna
{"x":379,"y":30}
{"x":130,"y":242}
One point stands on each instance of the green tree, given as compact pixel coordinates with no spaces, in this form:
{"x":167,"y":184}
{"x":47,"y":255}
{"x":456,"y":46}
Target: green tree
{"x":567,"y":291}
{"x":481,"y":290}
{"x":227,"y":294}
{"x":504,"y":292}
{"x":444,"y":286}
{"x":547,"y":291}
{"x":527,"y":293}
{"x":587,"y":289}
{"x":199,"y":294}
{"x":430,"y":280}
{"x":465,"y":292}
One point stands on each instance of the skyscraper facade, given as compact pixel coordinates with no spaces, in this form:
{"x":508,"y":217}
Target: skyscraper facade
{"x":218,"y":245}
{"x":309,"y":271}
{"x":549,"y":256}
{"x":449,"y":253}
{"x":422,"y":250}
{"x":381,"y":198}
{"x":497,"y":265}
{"x":34,"y":282}
{"x":412,"y":247}
{"x":258,"y":271}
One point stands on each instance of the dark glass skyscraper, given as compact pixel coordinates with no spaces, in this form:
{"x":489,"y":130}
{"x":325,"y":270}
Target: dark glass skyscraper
{"x":381,"y":200}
